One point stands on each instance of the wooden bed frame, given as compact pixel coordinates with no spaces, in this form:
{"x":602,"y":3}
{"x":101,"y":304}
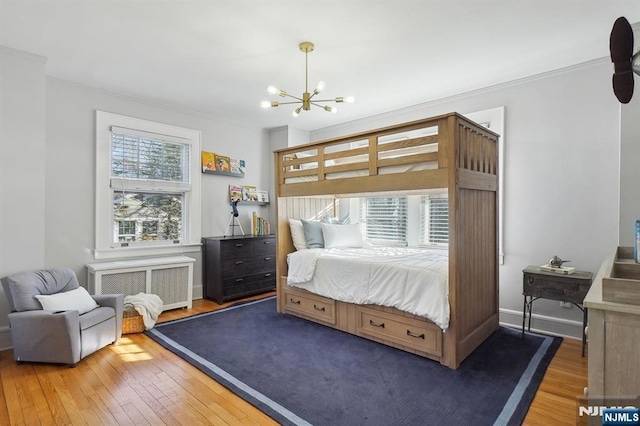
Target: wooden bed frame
{"x":463,"y":159}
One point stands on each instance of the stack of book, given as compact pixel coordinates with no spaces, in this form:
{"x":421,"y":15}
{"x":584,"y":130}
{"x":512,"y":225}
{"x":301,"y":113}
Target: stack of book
{"x":260,"y":225}
{"x":563,"y":270}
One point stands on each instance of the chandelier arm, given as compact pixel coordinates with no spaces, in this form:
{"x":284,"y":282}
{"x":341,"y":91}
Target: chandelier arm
{"x":289,"y":103}
{"x":291,"y":96}
{"x":324,"y":100}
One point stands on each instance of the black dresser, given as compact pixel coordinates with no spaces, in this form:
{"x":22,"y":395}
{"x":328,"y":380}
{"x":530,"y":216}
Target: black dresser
{"x":235,"y":267}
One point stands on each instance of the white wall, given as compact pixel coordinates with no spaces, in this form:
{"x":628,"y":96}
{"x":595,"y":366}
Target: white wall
{"x":47,"y":169}
{"x":22,"y":168}
{"x":70,"y":174}
{"x":561,"y":175}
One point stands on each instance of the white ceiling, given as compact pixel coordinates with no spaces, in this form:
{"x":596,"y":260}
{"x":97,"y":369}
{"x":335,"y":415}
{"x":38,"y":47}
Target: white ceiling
{"x":218,"y":57}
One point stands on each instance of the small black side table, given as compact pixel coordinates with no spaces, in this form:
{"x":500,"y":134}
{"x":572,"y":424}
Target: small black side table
{"x":571,"y":288}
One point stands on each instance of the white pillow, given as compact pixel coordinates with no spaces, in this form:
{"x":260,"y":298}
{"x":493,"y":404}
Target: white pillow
{"x":78,"y":299}
{"x":342,"y":235}
{"x":297,"y":234}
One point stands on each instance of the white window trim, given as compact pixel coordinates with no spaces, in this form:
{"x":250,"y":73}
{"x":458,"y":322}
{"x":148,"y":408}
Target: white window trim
{"x":103,"y":230}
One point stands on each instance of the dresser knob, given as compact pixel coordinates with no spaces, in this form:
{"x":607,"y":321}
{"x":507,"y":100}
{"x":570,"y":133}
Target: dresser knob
{"x":530,"y":280}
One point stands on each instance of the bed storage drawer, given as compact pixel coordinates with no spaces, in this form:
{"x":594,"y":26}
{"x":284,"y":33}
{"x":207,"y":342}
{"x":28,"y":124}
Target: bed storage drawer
{"x":408,"y":332}
{"x":311,"y":305}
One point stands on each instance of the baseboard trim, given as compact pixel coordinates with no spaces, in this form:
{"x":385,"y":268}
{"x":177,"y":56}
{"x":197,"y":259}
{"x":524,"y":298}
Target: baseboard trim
{"x":543,"y":324}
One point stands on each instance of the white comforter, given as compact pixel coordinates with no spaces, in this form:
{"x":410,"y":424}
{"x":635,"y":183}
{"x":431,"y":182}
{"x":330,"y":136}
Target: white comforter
{"x":410,"y":279}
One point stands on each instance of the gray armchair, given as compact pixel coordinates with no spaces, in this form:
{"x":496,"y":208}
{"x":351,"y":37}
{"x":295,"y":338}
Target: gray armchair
{"x":64,"y":337}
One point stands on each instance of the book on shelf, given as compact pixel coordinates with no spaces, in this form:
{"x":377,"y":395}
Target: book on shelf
{"x":237,"y":166}
{"x":223,"y":163}
{"x":263,"y":196}
{"x":563,"y":270}
{"x":235,"y":193}
{"x":249,"y":193}
{"x":260,"y":225}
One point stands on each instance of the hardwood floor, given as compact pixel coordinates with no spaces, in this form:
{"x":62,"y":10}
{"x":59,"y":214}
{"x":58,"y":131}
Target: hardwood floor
{"x":137,"y":382}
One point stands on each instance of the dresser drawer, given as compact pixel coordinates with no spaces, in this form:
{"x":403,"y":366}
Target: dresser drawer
{"x":249,"y":288}
{"x":565,"y":290}
{"x":262,"y":276}
{"x":264,"y":246}
{"x":247,"y":265}
{"x":409,"y":332}
{"x":232,"y":249}
{"x":312,"y":306}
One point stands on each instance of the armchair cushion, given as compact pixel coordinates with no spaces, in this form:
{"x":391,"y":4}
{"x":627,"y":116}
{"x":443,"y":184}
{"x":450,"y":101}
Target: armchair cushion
{"x":21,"y":288}
{"x":77,"y":299}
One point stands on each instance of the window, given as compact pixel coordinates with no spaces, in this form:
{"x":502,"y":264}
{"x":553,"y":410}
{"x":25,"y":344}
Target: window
{"x":126,"y":230}
{"x":384,"y":219}
{"x":434,"y":220}
{"x":148,"y":187}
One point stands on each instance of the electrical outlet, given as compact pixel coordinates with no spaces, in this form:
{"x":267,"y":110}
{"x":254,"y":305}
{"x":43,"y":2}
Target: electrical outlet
{"x":565,"y":305}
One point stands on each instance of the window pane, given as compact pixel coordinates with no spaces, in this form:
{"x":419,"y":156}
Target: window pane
{"x":134,"y":157}
{"x":140,"y":216}
{"x":434,"y":221}
{"x":384,"y":219}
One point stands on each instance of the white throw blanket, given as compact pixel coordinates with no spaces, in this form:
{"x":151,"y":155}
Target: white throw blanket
{"x":148,"y":305}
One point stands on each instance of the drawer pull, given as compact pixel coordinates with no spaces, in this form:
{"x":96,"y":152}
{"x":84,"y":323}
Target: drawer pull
{"x":554,"y":290}
{"x":417,"y":336}
{"x":267,"y":258}
{"x":530,"y":280}
{"x":267,"y":242}
{"x":295,"y":302}
{"x":267,"y":275}
{"x":239,"y":262}
{"x":318,"y":309}
{"x":239,"y":245}
{"x":238,"y":280}
{"x":375,"y":324}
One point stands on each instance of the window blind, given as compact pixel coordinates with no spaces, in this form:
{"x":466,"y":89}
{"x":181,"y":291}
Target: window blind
{"x":139,"y":162}
{"x":384,"y":219}
{"x":434,"y":220}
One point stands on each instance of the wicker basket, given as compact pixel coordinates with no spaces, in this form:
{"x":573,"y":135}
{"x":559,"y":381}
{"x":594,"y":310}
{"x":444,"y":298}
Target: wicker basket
{"x":132,"y":321}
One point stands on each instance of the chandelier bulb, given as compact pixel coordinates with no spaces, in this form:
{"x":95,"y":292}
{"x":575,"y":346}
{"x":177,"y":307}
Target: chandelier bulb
{"x":349,"y":99}
{"x":296,"y":112}
{"x":321,"y":86}
{"x":273,"y":90}
{"x":265,"y":104}
{"x":330,"y":109}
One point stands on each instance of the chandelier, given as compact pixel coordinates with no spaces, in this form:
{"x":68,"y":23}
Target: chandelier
{"x":307,"y":98}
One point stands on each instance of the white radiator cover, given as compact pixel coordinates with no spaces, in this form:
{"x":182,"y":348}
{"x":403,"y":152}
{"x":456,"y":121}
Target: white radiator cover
{"x":171,"y":278}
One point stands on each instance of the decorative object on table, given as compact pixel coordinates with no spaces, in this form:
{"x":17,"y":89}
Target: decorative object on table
{"x":555,"y":265}
{"x":307,"y":98}
{"x":213,"y":163}
{"x":233,"y":220}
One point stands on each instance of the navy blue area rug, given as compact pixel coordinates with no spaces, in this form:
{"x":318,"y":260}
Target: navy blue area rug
{"x":302,"y":373}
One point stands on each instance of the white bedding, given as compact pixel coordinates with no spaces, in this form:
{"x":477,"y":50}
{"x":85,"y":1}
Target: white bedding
{"x":413,"y":280}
